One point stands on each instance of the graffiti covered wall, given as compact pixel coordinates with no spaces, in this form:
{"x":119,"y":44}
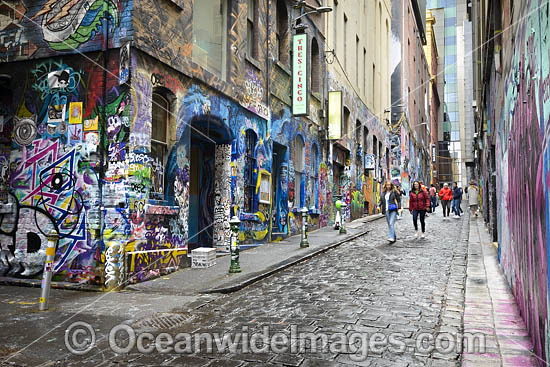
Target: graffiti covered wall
{"x":519,"y":119}
{"x":37,"y":29}
{"x":52,"y":119}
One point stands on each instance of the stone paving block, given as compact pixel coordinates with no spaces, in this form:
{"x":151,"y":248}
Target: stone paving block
{"x":319,"y":363}
{"x":288,"y":359}
{"x":186,"y":361}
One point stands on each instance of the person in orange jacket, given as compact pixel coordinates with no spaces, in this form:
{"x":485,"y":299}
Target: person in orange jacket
{"x":446,"y":195}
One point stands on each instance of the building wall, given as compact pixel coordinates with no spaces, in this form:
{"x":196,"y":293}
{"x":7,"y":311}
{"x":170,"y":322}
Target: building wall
{"x":416,"y":84}
{"x":432,"y":56}
{"x":112,"y":228}
{"x":50,"y":161}
{"x":517,"y":113}
{"x":359,"y":34}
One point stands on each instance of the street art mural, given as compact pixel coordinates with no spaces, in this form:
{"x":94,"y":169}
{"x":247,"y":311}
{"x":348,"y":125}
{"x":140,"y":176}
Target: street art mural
{"x":53,"y":182}
{"x":521,"y":135}
{"x":63,"y":26}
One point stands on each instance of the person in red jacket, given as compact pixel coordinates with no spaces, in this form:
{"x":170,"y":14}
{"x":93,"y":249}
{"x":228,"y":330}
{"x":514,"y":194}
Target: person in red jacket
{"x":446,"y":195}
{"x":419,"y":202}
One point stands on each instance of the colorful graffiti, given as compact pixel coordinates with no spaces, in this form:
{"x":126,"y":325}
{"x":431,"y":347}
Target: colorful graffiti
{"x":64,"y":26}
{"x":521,"y":124}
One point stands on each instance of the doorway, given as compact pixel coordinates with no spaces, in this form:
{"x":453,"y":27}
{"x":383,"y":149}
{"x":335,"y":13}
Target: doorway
{"x":201,"y":193}
{"x":208,"y":133}
{"x":279,"y":209}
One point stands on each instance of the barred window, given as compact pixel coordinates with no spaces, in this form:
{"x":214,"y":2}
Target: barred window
{"x":313,"y":176}
{"x":159,"y":141}
{"x":249,"y":171}
{"x":298,"y":170}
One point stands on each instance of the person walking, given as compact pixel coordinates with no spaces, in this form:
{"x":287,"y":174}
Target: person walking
{"x":425,"y":189}
{"x":390,"y":204}
{"x":473,"y":200}
{"x":457,"y":198}
{"x":433,"y":197}
{"x":401,"y":194}
{"x":419,"y":203}
{"x":446,"y":195}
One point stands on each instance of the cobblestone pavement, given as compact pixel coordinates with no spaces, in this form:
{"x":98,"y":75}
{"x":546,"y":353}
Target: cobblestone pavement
{"x":358,"y":294}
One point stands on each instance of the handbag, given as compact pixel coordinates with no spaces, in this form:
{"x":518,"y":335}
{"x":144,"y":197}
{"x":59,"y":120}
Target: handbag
{"x":392,"y":207}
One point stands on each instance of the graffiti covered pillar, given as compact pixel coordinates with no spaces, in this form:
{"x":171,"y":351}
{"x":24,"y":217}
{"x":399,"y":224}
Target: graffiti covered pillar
{"x":222,"y":191}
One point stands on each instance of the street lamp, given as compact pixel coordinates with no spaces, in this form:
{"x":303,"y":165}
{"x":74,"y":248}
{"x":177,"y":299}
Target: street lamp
{"x":318,"y":10}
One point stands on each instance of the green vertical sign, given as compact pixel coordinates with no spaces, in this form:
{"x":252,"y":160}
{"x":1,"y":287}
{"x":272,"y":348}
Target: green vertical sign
{"x":299,"y":75}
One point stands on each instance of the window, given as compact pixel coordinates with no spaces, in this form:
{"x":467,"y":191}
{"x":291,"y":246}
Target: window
{"x":298,"y":170}
{"x":281,"y":32}
{"x":358,"y":132}
{"x":315,"y":67}
{"x":251,"y":34}
{"x":365,"y":71}
{"x":159,"y":142}
{"x":335,"y":27}
{"x":365,"y":139}
{"x":345,"y":128}
{"x":210,"y":35}
{"x":249,"y":168}
{"x":357,"y":60}
{"x":313,"y":176}
{"x":345,"y":42}
{"x":374,"y":146}
{"x":373,"y":93}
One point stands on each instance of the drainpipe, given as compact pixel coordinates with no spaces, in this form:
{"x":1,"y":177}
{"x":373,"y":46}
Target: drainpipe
{"x":268,"y":101}
{"x":102,"y":135}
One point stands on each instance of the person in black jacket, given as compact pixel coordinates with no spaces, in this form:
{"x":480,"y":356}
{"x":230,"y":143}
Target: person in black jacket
{"x":457,"y":198}
{"x":390,"y":203}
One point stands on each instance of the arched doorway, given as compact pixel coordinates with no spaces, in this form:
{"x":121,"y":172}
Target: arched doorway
{"x":209,"y":182}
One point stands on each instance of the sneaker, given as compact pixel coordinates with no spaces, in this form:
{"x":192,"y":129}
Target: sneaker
{"x":422,"y":235}
{"x":415,"y":234}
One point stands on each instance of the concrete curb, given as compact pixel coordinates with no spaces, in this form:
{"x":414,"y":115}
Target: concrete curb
{"x":257,"y":276}
{"x":254,"y":277}
{"x":37,"y":283}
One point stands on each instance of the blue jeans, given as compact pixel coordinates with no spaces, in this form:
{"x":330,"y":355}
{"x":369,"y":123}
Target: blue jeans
{"x":456,"y":206}
{"x":433,"y":202}
{"x":391,"y":216}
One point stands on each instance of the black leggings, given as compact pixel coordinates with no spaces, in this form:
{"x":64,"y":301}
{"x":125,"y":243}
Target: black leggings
{"x":422,"y":223}
{"x":446,"y":207}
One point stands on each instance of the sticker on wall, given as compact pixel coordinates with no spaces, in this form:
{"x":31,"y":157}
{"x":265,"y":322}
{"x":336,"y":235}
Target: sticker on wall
{"x":91,"y":124}
{"x":75,"y":134}
{"x":59,"y":79}
{"x":91,"y":138}
{"x":62,"y":128}
{"x":56,"y":113}
{"x":75,"y":113}
{"x":25,"y":131}
{"x":124,"y":69}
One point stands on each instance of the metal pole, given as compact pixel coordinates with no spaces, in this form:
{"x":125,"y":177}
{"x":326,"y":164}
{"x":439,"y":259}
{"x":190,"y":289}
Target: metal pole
{"x":343,"y":207}
{"x":48,"y":270}
{"x":304,"y":242}
{"x":235,"y":267}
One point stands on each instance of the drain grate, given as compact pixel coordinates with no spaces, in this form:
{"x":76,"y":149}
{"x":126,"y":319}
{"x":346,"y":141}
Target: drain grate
{"x":162,"y":321}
